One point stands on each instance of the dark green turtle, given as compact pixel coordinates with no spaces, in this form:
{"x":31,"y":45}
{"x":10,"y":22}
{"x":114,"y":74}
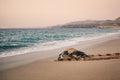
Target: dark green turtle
{"x":77,"y":55}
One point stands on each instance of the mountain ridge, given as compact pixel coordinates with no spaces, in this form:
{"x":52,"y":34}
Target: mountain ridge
{"x":93,"y":24}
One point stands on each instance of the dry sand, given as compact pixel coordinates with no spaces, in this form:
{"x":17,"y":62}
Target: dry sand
{"x":48,"y":69}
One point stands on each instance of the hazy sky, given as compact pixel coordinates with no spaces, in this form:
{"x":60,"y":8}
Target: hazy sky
{"x":41,"y":13}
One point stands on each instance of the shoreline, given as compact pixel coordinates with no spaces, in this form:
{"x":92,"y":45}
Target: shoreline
{"x":19,"y":60}
{"x":57,"y":44}
{"x":34,"y":67}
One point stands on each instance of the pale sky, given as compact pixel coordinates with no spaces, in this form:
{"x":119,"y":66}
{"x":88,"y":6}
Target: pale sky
{"x":42,"y":13}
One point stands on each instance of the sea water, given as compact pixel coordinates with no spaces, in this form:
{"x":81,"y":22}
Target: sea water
{"x":21,"y":41}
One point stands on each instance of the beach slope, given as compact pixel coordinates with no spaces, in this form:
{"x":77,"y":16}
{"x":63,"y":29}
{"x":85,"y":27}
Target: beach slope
{"x":48,"y":69}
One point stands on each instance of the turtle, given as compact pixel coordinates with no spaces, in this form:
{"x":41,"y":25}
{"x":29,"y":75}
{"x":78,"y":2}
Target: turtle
{"x":70,"y":54}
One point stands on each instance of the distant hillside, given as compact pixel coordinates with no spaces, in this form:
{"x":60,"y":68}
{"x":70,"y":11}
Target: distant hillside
{"x":93,"y":23}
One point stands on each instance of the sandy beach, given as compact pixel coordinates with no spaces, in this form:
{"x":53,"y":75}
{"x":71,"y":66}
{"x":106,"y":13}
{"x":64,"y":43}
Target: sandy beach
{"x":59,"y":39}
{"x":34,"y":67}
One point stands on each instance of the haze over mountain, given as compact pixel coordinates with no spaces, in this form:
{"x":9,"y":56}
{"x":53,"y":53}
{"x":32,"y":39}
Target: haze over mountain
{"x":93,"y":23}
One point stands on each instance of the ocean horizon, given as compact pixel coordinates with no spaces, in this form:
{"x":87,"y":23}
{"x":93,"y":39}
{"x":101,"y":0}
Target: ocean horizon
{"x":21,"y":41}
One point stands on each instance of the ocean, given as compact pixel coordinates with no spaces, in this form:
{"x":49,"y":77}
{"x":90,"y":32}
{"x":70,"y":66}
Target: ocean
{"x":22,"y":41}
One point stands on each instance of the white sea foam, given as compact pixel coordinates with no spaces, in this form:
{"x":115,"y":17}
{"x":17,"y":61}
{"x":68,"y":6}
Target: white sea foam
{"x":54,"y":44}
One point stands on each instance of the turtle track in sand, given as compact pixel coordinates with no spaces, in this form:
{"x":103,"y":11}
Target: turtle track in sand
{"x":97,"y":57}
